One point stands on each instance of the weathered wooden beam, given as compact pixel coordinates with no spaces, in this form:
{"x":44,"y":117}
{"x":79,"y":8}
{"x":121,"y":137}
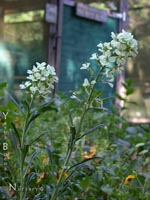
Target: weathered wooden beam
{"x":120,"y":77}
{"x":123,"y":9}
{"x":54,"y":46}
{"x":1,"y":22}
{"x":83,"y":10}
{"x":59,"y":35}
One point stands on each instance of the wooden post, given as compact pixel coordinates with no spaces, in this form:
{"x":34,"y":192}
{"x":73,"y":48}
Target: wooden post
{"x":54,"y":48}
{"x":1,"y":22}
{"x":120,"y":77}
{"x":52,"y":40}
{"x":59,"y":33}
{"x":123,"y":9}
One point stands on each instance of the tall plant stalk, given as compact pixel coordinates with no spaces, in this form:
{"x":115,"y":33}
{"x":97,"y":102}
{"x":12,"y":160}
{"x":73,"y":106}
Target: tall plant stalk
{"x":74,"y":135}
{"x":23,"y":152}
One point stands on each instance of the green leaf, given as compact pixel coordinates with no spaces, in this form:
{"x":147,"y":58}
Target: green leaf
{"x":33,"y":156}
{"x":33,"y":116}
{"x":25,"y":151}
{"x":119,"y":97}
{"x":85,"y":182}
{"x":107,"y":189}
{"x":129,"y":82}
{"x":133,"y":102}
{"x":84,"y":161}
{"x":36,"y":138}
{"x":2,"y":85}
{"x":47,"y":107}
{"x":129,"y":91}
{"x":16,"y":133}
{"x":15,"y":102}
{"x":14,"y":141}
{"x":124,"y":108}
{"x":90,"y":131}
{"x":125,"y":85}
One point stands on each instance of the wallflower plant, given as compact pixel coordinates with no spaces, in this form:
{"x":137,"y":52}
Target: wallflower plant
{"x":110,"y":58}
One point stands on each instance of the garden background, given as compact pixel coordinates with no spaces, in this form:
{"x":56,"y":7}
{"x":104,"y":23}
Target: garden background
{"x":55,"y":149}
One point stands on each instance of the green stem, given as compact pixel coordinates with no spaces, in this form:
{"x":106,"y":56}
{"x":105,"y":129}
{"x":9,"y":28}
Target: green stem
{"x":138,"y":180}
{"x":21,"y":187}
{"x":70,"y":147}
{"x":24,"y":130}
{"x":54,"y":194}
{"x":68,"y":155}
{"x":22,"y":152}
{"x":25,"y":123}
{"x":87,"y":105}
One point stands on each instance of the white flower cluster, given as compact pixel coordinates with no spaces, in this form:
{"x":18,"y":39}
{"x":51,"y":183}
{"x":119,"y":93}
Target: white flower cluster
{"x":114,"y":55}
{"x":122,"y":47}
{"x":40,"y":80}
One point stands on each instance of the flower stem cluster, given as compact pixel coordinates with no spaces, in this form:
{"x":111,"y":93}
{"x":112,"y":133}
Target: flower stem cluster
{"x":122,"y":47}
{"x":40,"y":80}
{"x":113,"y":55}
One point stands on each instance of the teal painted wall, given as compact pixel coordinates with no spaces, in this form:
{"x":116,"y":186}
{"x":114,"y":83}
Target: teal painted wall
{"x":79,"y":40}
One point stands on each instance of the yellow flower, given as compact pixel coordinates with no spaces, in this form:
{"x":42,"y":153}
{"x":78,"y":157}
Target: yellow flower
{"x":40,"y":145}
{"x":7,"y":155}
{"x":45,"y":160}
{"x":42,"y":175}
{"x":90,"y":153}
{"x":129,"y":178}
{"x":18,"y":122}
{"x":29,"y":170}
{"x":59,"y":174}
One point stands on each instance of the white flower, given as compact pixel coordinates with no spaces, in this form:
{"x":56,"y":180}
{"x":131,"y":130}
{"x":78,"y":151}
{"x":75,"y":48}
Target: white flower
{"x":22,"y":86}
{"x":37,"y":75}
{"x":86,"y":83}
{"x":103,"y":60}
{"x":50,"y":70}
{"x":41,"y":66}
{"x":33,"y":89}
{"x":27,"y":83}
{"x":94,"y":56}
{"x":93,"y":82}
{"x":104,"y":46}
{"x":29,"y":71}
{"x":35,"y":69}
{"x":111,"y":84}
{"x":41,"y":79}
{"x":31,"y":77}
{"x":85,"y":66}
{"x":73,"y":97}
{"x":107,"y":59}
{"x":120,"y":61}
